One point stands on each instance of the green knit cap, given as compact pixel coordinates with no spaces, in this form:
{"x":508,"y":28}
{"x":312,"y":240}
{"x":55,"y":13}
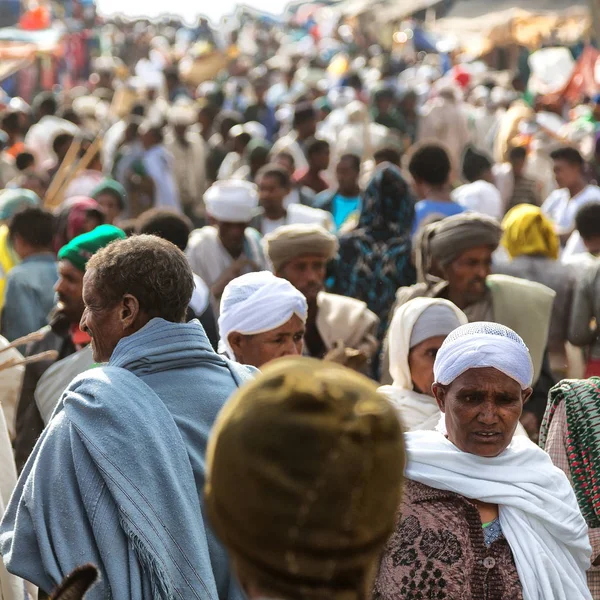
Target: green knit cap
{"x":114,"y":187}
{"x":80,"y":249}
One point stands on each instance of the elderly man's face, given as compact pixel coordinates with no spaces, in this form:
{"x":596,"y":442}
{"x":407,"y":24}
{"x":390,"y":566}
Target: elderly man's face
{"x":232,"y":236}
{"x":307,"y":274}
{"x":467,"y":274}
{"x":106,"y":325}
{"x":482,"y":409}
{"x":259,"y":349}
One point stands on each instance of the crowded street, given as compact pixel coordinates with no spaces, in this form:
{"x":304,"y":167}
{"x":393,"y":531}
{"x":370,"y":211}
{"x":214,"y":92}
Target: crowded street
{"x":300,"y":302}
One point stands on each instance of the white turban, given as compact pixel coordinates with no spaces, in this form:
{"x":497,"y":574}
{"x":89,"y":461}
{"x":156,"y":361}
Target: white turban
{"x":480,"y":345}
{"x":256,"y":303}
{"x":232,"y":201}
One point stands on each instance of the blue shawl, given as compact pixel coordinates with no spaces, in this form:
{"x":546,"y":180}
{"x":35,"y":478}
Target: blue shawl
{"x":116,"y":478}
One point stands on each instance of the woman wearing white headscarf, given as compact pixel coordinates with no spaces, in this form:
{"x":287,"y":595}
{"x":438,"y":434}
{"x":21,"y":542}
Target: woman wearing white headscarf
{"x":485,"y":513}
{"x":415,"y":335}
{"x":262,"y":318}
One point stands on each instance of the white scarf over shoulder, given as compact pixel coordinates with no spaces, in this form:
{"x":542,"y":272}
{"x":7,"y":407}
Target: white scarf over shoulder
{"x":539,"y":515}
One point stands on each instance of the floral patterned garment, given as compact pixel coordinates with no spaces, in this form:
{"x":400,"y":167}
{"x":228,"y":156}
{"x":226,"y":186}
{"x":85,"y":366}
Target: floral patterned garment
{"x":438,"y":552}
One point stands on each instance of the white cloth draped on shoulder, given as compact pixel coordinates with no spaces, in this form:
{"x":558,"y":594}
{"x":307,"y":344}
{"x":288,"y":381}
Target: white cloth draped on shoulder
{"x":539,"y":515}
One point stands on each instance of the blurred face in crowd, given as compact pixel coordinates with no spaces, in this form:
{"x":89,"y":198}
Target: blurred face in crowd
{"x":467,"y":274}
{"x":347,"y":175}
{"x":307,"y":127}
{"x":320,"y":160}
{"x":287,"y":162}
{"x":259,"y":349}
{"x":232,"y":236}
{"x":307,"y":274}
{"x":567,"y":175}
{"x":271,"y":194}
{"x":69,"y":289}
{"x":110,"y":206}
{"x":482,"y":409}
{"x":420,"y":362}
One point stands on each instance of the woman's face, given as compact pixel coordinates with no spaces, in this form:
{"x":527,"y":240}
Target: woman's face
{"x":420,"y":363}
{"x":482,"y":409}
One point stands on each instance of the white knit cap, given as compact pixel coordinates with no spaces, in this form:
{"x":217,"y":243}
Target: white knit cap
{"x":256,"y":303}
{"x":480,"y":345}
{"x":232,"y":201}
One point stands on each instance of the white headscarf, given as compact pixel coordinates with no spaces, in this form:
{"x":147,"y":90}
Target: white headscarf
{"x":256,"y":303}
{"x":232,"y":201}
{"x":538,"y":511}
{"x":418,"y":411}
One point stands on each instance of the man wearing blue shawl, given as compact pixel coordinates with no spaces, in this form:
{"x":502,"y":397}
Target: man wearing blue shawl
{"x":116,"y":478}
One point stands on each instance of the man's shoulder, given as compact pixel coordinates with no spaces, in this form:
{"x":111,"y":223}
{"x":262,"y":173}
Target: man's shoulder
{"x":336,"y":300}
{"x":204,"y":235}
{"x":418,"y":290}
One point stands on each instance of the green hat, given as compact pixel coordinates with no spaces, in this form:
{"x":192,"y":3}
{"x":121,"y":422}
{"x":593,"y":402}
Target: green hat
{"x":304,"y":474}
{"x":11,"y":200}
{"x":113,"y":187}
{"x":80,"y":249}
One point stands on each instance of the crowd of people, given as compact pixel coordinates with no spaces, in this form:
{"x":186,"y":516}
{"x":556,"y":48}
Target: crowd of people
{"x":290,"y":336}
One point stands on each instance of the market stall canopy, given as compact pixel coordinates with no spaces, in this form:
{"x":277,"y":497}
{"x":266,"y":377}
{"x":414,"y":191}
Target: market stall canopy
{"x":15,"y":56}
{"x":44,"y":40}
{"x":478,"y":32}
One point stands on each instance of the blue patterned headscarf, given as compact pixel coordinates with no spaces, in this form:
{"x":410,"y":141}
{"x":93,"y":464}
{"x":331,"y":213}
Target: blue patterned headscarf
{"x":374,"y":259}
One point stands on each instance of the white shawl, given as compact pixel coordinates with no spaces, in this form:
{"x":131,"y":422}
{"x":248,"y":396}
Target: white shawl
{"x":539,"y":515}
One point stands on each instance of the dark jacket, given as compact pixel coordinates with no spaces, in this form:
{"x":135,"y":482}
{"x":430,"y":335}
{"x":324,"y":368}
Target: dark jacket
{"x":29,"y":423}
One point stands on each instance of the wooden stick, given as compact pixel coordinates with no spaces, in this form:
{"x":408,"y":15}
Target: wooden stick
{"x":32,"y":337}
{"x":18,"y":362}
{"x":62,"y":172}
{"x":83,"y":164}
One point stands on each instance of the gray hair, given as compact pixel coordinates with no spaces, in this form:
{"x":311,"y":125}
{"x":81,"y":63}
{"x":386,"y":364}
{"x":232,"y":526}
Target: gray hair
{"x":149,"y":268}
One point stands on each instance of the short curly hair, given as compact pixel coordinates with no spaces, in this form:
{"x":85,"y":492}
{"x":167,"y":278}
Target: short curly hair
{"x":149,"y":268}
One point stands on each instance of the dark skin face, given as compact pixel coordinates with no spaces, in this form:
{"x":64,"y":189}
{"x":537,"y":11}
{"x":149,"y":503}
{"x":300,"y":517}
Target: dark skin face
{"x":271,"y":195}
{"x":593,"y":245}
{"x":347,"y":177}
{"x":467,"y":274}
{"x":307,"y":129}
{"x":320,"y":160}
{"x":567,"y":175}
{"x":257,"y":350}
{"x":307,"y":274}
{"x":284,"y":162}
{"x":110,"y":206}
{"x":232,"y":236}
{"x":69,"y":289}
{"x":482,"y":409}
{"x":420,"y":362}
{"x":107,"y":325}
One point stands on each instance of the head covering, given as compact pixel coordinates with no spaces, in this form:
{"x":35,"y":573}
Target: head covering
{"x":290,"y":241}
{"x":581,"y":400}
{"x":304,"y":472}
{"x":80,"y":249}
{"x":12,"y":200}
{"x":480,"y":345}
{"x":113,"y":187}
{"x":182,"y":114}
{"x":414,"y":322}
{"x":256,"y":303}
{"x":72,"y":217}
{"x":232,"y":201}
{"x":375,"y":259}
{"x":528,"y":231}
{"x":445,"y":240}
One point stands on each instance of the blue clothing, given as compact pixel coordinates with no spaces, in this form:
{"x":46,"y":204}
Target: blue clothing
{"x":29,"y":295}
{"x":117,"y":477}
{"x":342,"y":208}
{"x":426,"y":208}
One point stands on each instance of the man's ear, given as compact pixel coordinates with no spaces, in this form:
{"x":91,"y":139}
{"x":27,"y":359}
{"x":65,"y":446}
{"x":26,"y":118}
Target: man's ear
{"x":439,"y":392}
{"x":526,"y":395}
{"x":235,"y":340}
{"x":130,"y":309}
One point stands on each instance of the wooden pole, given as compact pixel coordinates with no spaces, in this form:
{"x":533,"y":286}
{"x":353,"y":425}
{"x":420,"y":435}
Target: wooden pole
{"x":61,"y":174}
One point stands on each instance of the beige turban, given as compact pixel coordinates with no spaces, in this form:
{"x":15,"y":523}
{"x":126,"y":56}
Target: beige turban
{"x":290,"y":241}
{"x":444,"y":241}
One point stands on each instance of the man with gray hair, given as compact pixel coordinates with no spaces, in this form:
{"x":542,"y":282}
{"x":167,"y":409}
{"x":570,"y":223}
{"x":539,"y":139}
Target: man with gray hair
{"x":116,"y":478}
{"x":454,"y":261}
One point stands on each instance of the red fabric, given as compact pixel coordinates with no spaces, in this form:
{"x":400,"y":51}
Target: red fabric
{"x":592,"y":369}
{"x":79,"y":338}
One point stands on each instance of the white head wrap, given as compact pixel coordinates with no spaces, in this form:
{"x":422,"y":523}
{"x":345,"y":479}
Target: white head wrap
{"x":480,"y":345}
{"x":232,"y":201}
{"x":402,"y":330}
{"x":256,"y":303}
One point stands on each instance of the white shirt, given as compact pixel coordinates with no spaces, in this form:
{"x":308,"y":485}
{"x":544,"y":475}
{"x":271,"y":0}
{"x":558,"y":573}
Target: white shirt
{"x":299,"y":214}
{"x":480,"y":196}
{"x":561,"y":208}
{"x":158,"y":162}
